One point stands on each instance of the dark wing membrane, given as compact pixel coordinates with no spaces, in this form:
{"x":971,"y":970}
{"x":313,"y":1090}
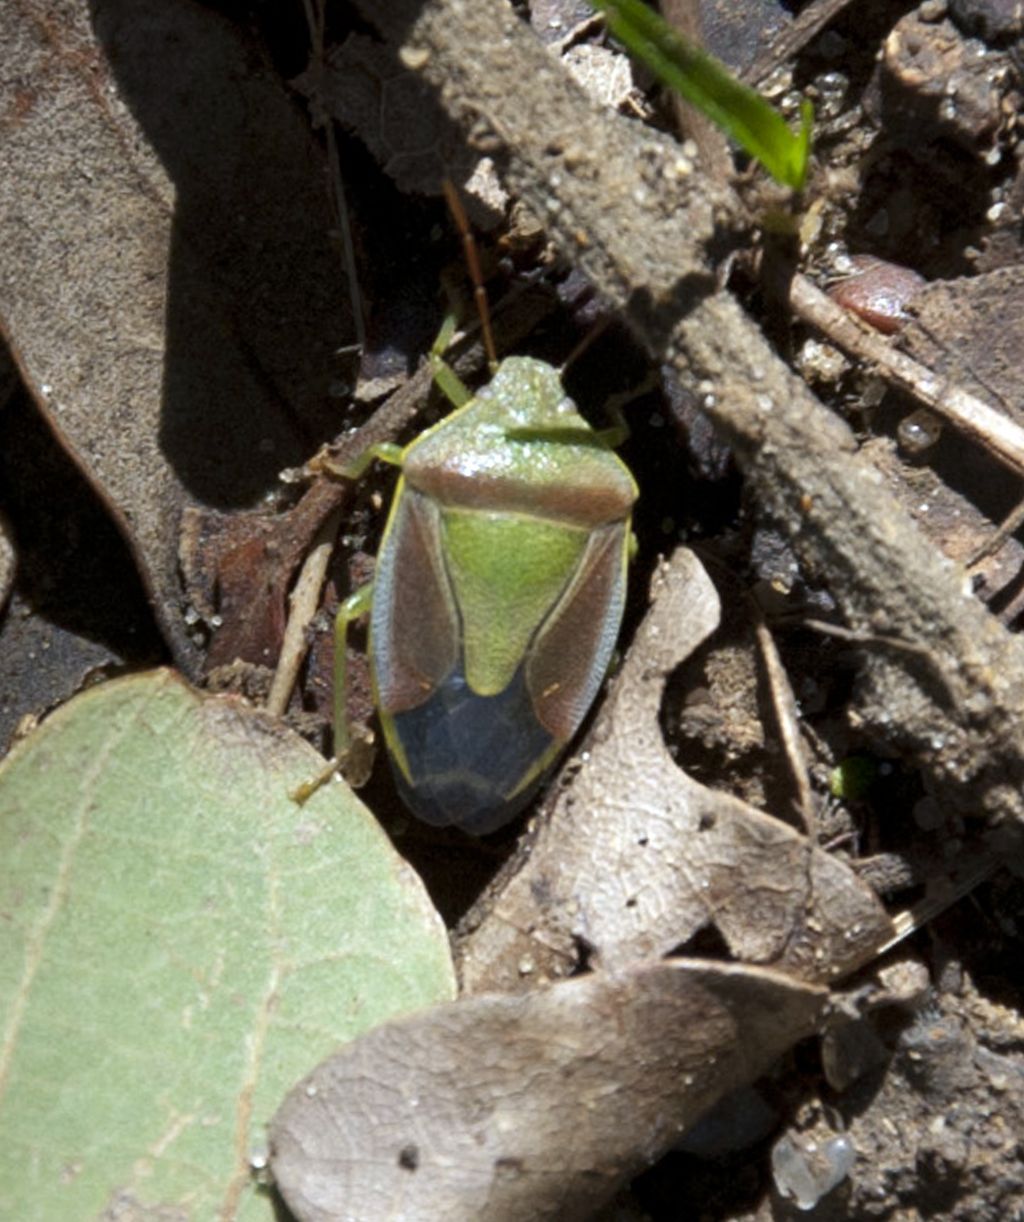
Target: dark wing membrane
{"x":569,"y":656}
{"x":414,"y":627}
{"x":469,"y":760}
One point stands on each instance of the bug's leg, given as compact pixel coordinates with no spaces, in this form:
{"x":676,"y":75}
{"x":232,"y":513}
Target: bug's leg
{"x":618,"y":430}
{"x":356,"y":468}
{"x":352,"y":755}
{"x":448,"y":381}
{"x":353,"y":608}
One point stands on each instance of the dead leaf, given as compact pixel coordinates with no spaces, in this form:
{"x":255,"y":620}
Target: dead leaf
{"x":635,"y":857}
{"x":369,"y":90}
{"x":240,"y":566}
{"x":529,"y":1107}
{"x":77,"y":610}
{"x":168,"y":285}
{"x":969,"y":329}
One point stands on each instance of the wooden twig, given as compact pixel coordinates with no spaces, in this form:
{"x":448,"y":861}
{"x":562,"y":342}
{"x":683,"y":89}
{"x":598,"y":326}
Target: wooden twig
{"x":303,"y":604}
{"x":787,"y":720}
{"x":1009,"y":526}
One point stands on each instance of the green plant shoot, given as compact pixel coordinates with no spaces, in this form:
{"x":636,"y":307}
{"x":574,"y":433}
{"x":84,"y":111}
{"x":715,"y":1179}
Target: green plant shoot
{"x":740,"y":111}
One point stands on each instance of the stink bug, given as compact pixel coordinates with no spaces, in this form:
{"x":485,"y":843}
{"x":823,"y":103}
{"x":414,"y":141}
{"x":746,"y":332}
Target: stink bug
{"x":498,"y":594}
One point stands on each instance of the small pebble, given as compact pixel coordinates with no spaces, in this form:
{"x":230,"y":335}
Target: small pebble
{"x":805,"y":1171}
{"x":919,"y":431}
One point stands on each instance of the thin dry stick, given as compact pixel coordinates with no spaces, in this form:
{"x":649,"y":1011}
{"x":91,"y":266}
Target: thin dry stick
{"x":996,"y":432}
{"x":304,"y":601}
{"x":1009,"y":526}
{"x":787,"y":720}
{"x":943,"y":894}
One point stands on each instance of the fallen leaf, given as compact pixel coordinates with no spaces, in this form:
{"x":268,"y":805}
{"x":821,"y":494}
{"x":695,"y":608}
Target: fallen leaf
{"x":528,"y":1107}
{"x":240,"y":566}
{"x":369,"y":90}
{"x":181,"y":942}
{"x":167,"y":280}
{"x":78,"y":610}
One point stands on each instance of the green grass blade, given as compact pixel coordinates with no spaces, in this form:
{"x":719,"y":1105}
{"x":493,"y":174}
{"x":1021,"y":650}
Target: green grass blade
{"x":739,"y":110}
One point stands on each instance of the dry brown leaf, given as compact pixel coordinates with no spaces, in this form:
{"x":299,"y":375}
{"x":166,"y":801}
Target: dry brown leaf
{"x":635,"y":857}
{"x":529,"y":1107}
{"x":167,"y":281}
{"x":369,"y":90}
{"x":953,"y":521}
{"x":77,"y":610}
{"x":969,"y":330}
{"x":242,"y":564}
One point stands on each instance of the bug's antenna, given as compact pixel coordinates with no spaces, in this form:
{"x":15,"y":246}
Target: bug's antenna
{"x":475,"y":274}
{"x":595,"y":332}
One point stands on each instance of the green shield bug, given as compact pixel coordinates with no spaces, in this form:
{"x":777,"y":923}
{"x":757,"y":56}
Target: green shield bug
{"x":498,"y":594}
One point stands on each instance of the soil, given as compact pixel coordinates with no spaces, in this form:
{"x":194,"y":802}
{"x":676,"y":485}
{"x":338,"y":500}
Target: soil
{"x":916,"y":162}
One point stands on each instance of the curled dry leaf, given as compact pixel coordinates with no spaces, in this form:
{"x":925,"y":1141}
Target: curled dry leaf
{"x":635,"y":857}
{"x":530,"y":1107}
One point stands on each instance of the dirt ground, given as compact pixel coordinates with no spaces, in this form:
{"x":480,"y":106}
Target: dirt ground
{"x":910,"y":1103}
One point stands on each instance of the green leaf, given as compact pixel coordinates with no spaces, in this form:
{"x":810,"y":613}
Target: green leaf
{"x":180,"y":943}
{"x":740,"y":111}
